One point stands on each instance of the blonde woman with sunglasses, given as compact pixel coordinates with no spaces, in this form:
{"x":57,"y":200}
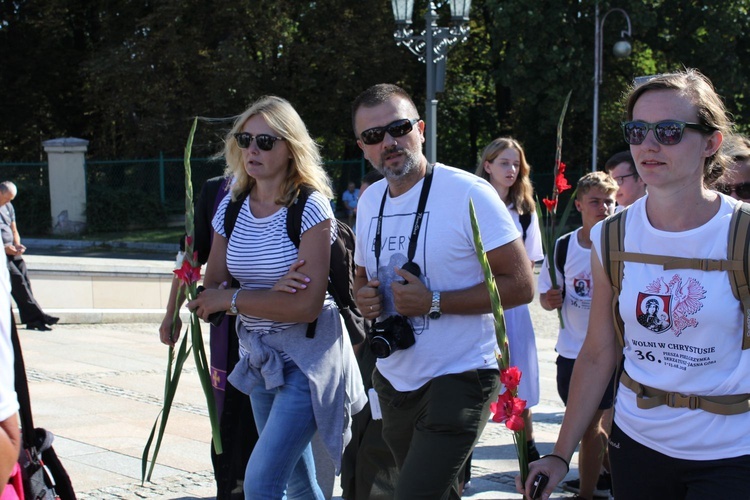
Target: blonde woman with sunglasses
{"x":685,"y":448}
{"x":297,"y":385}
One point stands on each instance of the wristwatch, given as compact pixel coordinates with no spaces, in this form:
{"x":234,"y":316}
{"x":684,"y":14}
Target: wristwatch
{"x":435,"y":312}
{"x":233,"y":306}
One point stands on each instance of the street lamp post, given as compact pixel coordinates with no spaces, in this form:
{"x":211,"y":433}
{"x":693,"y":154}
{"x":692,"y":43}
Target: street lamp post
{"x":621,"y":49}
{"x":431,"y":47}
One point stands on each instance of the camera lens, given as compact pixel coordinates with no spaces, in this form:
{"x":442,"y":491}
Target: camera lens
{"x":413,"y":268}
{"x":380,"y":347}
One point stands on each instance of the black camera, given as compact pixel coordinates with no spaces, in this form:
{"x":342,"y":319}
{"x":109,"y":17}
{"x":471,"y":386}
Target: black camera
{"x":390,"y":335}
{"x":394,"y":332}
{"x":213,"y":318}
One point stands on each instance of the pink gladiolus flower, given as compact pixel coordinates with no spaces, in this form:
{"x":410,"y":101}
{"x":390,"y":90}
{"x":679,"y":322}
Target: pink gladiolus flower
{"x":550,"y":204}
{"x":508,"y":409}
{"x":510,"y":378}
{"x":187,"y":273}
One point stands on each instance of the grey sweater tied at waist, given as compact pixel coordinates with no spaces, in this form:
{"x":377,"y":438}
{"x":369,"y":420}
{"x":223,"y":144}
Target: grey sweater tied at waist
{"x":327,"y":360}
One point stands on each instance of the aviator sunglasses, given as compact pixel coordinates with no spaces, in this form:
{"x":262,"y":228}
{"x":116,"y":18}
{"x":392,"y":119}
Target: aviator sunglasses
{"x":667,"y":132}
{"x":742,"y":189}
{"x":265,"y":142}
{"x":395,"y":129}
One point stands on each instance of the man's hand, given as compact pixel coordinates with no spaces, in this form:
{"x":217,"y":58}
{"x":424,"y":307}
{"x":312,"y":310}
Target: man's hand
{"x":369,"y":301}
{"x":410,"y":297}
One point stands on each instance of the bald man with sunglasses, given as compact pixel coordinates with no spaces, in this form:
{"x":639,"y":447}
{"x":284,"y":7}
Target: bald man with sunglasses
{"x":419,"y":279}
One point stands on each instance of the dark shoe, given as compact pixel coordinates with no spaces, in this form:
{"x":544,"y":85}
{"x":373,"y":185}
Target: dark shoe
{"x":38,"y":325}
{"x":602,"y":490}
{"x":50,"y":320}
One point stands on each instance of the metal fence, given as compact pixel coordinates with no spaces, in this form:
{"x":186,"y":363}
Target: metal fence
{"x":163,"y":179}
{"x":115,"y":188}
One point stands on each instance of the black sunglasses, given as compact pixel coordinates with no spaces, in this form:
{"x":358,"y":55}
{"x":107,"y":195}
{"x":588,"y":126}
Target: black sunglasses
{"x":667,"y":132}
{"x":398,"y":128}
{"x":742,"y":189}
{"x":265,"y":142}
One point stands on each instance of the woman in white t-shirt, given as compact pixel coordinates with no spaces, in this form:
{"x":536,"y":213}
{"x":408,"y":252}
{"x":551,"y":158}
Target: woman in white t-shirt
{"x":299,"y":381}
{"x":503,"y":164}
{"x":675,"y":126}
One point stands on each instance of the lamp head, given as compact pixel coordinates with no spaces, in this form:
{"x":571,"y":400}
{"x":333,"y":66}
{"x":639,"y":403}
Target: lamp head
{"x":622,"y":48}
{"x":460,"y":11}
{"x":402,"y":11}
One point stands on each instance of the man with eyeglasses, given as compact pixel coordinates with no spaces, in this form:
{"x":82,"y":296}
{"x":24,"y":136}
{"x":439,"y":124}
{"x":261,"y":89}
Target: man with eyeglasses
{"x":419,"y":279}
{"x":621,"y":168}
{"x":736,"y":178}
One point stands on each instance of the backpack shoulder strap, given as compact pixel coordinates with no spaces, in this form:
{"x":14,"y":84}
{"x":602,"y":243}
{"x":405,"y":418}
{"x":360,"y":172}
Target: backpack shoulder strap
{"x":525,"y":220}
{"x":231,"y":213}
{"x":737,"y":249}
{"x":561,"y":253}
{"x":612,"y":245}
{"x":561,"y":257}
{"x":294,"y":215}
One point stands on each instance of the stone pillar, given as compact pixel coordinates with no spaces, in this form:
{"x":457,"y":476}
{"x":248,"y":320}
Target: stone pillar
{"x":67,"y":183}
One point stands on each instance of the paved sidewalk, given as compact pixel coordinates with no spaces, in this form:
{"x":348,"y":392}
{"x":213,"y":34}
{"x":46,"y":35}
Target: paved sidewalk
{"x":98,"y":388}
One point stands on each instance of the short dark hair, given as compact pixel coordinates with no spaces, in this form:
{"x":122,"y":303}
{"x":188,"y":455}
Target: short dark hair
{"x":376,"y":95}
{"x":621,"y":157}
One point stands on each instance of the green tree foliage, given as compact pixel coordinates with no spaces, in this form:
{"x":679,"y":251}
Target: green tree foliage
{"x":128,"y":75}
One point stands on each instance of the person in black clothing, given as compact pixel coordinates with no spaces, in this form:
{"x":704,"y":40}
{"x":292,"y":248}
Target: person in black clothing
{"x":28,"y":308}
{"x":238,"y":432}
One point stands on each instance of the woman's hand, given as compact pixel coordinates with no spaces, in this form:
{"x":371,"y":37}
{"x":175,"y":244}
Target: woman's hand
{"x":211,"y":300}
{"x":552,"y":466}
{"x":292,"y":280}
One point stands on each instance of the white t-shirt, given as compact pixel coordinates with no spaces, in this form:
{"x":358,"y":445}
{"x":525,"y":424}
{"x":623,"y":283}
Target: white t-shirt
{"x":683,"y":332}
{"x":260,"y":252}
{"x":8,"y":400}
{"x":578,"y":292}
{"x":533,"y":242}
{"x":445,"y":253}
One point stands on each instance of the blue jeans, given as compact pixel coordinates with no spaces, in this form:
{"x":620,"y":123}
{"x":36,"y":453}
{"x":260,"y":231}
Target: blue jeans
{"x":282,"y":460}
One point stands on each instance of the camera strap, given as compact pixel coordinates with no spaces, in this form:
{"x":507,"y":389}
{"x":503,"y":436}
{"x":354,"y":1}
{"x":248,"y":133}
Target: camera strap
{"x":417,"y":220}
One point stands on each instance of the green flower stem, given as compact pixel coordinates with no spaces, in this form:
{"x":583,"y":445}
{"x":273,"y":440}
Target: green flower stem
{"x":519,"y":437}
{"x":170,"y":388}
{"x":196,"y":340}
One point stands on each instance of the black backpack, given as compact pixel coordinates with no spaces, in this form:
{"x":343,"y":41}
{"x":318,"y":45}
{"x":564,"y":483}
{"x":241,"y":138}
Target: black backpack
{"x":342,"y":271}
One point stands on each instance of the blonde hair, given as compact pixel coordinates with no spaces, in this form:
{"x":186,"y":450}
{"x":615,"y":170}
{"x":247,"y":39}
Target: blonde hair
{"x":305,"y":165}
{"x":692,"y":84}
{"x":598,"y":180}
{"x":521,"y":193}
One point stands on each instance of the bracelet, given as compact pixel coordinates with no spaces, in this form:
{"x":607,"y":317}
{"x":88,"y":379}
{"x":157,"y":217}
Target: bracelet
{"x":567,"y":466}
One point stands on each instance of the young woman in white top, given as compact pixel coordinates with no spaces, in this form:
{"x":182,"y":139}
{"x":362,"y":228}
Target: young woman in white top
{"x":298,"y":384}
{"x":675,"y":126}
{"x":503,"y":164}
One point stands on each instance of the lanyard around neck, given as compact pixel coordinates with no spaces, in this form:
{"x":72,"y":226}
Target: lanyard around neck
{"x":417,"y":220}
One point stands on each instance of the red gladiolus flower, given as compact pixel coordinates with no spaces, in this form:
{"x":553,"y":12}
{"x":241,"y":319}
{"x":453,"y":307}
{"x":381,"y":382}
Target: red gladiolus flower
{"x":561,"y":183}
{"x":510,"y":378}
{"x":508,"y":409}
{"x":550,"y":204}
{"x":188,"y":241}
{"x":187,"y":273}
{"x":561,"y":168}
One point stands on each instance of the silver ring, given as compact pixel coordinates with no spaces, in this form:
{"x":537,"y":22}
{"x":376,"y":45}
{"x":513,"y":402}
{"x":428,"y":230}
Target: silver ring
{"x":370,"y":308}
